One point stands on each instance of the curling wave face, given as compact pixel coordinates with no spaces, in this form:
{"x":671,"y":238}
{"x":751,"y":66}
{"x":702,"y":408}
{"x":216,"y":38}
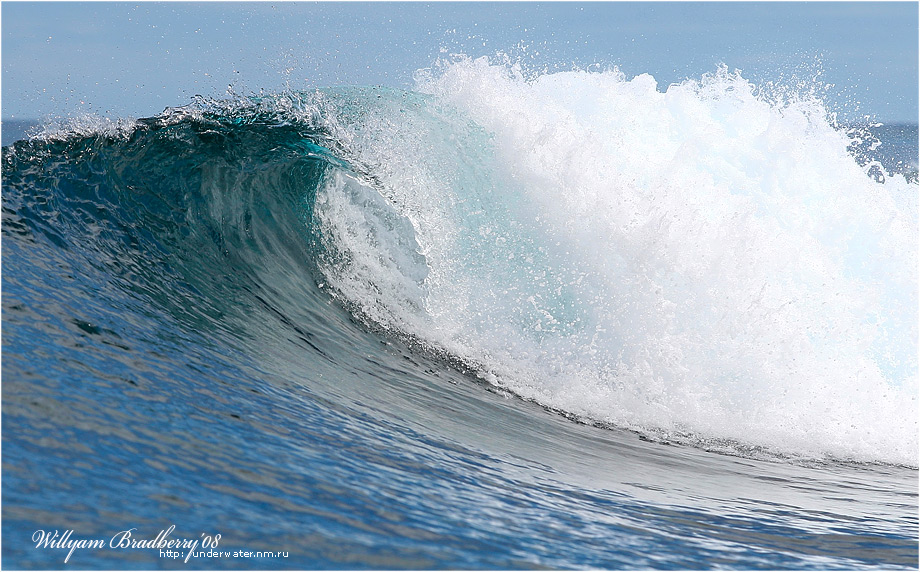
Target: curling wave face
{"x":706,"y":264}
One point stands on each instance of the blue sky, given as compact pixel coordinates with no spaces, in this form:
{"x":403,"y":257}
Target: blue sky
{"x":121,"y":59}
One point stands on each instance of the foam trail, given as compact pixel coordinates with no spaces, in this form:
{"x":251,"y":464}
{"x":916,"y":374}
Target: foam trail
{"x":699,"y":263}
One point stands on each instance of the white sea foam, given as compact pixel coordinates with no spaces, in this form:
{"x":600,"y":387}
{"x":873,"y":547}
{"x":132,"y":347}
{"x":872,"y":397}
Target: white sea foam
{"x":697,"y":260}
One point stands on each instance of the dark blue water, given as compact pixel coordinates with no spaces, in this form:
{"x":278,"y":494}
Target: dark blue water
{"x":173,"y":356}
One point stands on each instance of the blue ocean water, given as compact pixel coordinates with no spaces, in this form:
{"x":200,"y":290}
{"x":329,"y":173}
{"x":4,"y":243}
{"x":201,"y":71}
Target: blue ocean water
{"x":565,"y":322}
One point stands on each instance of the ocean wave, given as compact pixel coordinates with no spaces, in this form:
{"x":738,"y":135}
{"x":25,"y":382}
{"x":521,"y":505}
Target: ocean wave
{"x":703,"y":264}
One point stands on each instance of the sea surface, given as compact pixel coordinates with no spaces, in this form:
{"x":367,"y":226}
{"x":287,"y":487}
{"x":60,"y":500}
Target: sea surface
{"x":569,"y":320}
